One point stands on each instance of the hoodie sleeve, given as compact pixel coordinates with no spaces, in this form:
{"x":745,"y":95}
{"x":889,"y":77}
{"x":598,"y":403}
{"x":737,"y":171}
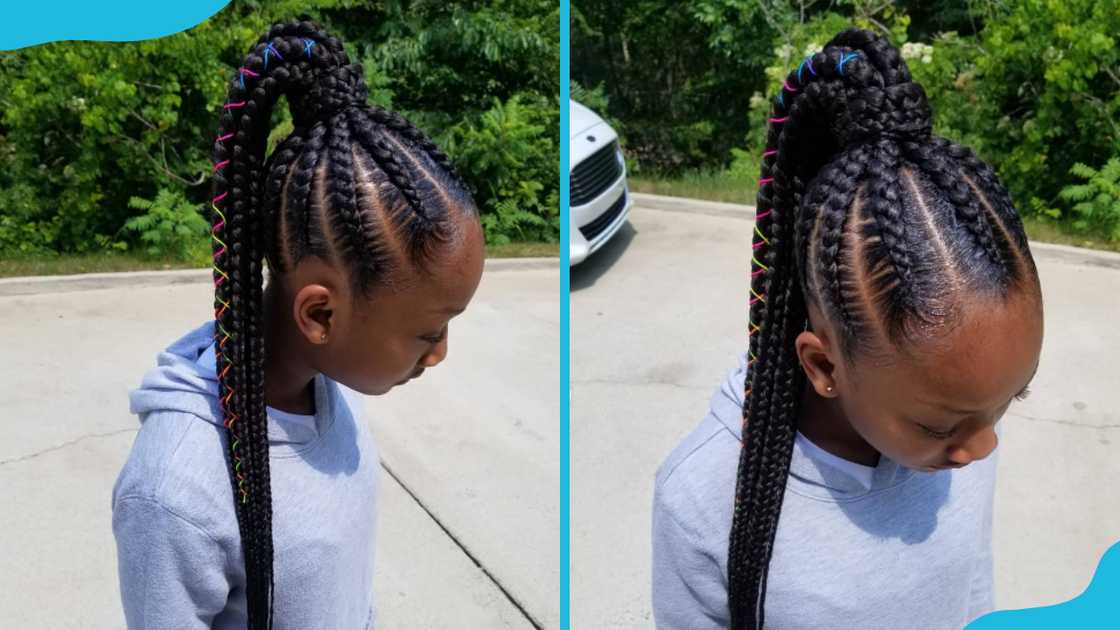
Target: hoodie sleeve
{"x":172,"y":572}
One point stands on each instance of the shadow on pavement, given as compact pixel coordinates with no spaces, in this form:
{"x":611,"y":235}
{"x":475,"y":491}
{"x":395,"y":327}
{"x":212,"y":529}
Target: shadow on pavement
{"x":586,"y":273}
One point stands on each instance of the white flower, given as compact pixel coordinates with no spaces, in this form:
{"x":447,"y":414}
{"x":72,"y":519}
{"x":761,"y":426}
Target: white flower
{"x":915,"y":50}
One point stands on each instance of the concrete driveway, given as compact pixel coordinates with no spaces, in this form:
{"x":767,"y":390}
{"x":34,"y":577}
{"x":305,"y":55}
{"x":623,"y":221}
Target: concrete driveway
{"x":469,"y":522}
{"x":658,"y":318}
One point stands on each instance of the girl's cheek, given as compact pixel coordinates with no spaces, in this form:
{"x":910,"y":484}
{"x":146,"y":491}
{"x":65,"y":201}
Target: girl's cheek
{"x":902,"y":445}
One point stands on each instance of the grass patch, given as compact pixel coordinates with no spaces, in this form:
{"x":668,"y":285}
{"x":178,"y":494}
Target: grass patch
{"x":1049,"y":231}
{"x":102,"y":262}
{"x":724,"y":186}
{"x":707,"y":185}
{"x":524,"y":250}
{"x":69,"y":264}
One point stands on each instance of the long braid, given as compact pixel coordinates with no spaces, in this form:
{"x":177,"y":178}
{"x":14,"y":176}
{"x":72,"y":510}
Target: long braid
{"x":305,"y":200}
{"x":845,"y":125}
{"x":769,"y":409}
{"x":239,"y":245}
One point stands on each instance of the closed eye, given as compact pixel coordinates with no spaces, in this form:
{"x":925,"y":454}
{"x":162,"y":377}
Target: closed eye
{"x":944,"y":435}
{"x":436,"y":338}
{"x":939,"y":435}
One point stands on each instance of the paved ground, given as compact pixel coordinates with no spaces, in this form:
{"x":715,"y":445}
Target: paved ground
{"x":657,"y":321}
{"x":469,"y":522}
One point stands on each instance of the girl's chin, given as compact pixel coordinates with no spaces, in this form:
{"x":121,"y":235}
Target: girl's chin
{"x":934,"y":469}
{"x":390,"y":388}
{"x":376,"y":390}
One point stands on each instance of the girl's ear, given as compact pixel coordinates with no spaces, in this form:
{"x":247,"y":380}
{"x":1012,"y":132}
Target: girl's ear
{"x":815,"y":356}
{"x":313,"y":311}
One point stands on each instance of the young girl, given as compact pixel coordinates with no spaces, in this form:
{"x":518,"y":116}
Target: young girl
{"x":842,"y":478}
{"x":249,"y":497}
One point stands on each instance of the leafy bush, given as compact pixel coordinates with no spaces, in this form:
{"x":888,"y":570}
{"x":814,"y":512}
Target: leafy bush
{"x":1033,"y":86}
{"x":675,"y":73}
{"x":595,"y":98}
{"x":171,"y":227}
{"x":87,"y":126}
{"x":1096,"y":203}
{"x":509,"y":157}
{"x":1048,"y":93}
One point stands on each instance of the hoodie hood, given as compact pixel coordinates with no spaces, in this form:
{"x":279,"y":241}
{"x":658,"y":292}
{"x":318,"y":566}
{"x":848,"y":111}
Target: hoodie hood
{"x":185,"y":381}
{"x":813,"y":471}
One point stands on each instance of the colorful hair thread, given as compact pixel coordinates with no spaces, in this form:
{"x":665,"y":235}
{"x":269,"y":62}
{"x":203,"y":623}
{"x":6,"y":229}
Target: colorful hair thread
{"x":761,"y":268}
{"x":271,"y":49}
{"x":762,"y":240}
{"x":245,"y":71}
{"x":222,"y":336}
{"x":807,"y":61}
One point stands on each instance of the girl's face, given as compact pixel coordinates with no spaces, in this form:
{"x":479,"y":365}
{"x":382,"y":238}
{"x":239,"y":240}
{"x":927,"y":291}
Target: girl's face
{"x":374,"y":345}
{"x":400,"y":333}
{"x":938,"y":408}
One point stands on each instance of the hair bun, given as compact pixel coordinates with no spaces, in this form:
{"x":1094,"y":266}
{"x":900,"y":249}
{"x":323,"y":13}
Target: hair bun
{"x":900,"y":112}
{"x":334,"y":90}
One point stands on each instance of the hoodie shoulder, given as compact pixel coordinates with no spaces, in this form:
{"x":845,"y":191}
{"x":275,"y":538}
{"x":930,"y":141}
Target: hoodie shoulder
{"x":178,"y":459}
{"x":695,"y":484}
{"x":697,"y":480}
{"x":180,"y":463}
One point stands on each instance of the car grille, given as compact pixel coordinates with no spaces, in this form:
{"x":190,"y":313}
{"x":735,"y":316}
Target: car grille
{"x":592,"y":176}
{"x":603,"y":221}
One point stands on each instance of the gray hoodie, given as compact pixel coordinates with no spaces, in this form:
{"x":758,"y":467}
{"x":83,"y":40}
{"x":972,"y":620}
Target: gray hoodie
{"x":911,"y":551}
{"x":178,"y":548}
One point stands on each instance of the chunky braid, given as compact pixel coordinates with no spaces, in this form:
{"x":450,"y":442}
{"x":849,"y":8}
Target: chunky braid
{"x":850,"y":132}
{"x":399,"y":124}
{"x":946,"y":174}
{"x":304,"y":200}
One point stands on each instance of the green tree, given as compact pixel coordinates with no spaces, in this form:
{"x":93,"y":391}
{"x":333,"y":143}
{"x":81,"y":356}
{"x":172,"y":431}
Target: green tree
{"x":87,"y":126}
{"x":1096,"y":203}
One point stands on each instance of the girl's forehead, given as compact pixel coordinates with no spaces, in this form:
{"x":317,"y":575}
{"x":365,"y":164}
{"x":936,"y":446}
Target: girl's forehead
{"x":987,"y":357}
{"x":446,"y":284}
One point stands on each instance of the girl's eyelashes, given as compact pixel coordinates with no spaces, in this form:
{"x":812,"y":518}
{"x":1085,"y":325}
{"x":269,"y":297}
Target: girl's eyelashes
{"x":436,"y":338}
{"x":944,"y":435}
{"x":939,"y":435}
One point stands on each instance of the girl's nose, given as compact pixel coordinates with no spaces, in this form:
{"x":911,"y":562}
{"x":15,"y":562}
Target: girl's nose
{"x":978,"y":446}
{"x":436,"y":355}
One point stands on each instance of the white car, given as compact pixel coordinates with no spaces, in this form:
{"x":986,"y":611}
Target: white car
{"x":599,"y":200}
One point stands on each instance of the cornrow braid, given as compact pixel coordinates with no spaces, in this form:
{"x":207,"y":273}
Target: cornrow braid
{"x":850,"y":160}
{"x":341,"y":187}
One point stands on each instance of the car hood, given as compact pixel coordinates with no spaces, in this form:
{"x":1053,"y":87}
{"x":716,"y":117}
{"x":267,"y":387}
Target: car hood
{"x":580,"y":119}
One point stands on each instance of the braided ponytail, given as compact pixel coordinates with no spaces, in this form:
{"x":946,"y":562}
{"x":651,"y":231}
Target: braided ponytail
{"x":846,"y":129}
{"x":263,"y":211}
